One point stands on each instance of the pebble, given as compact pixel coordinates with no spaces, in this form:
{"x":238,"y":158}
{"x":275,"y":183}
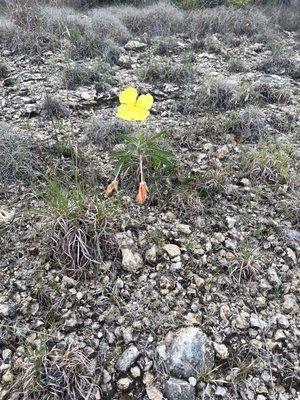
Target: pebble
{"x":153,"y":393}
{"x":7,"y":377}
{"x":127,"y":359}
{"x":6,"y":354}
{"x":220,"y":391}
{"x":135,"y":372}
{"x":135,"y":45}
{"x":187,"y":352}
{"x":282,"y":321}
{"x":150,"y":254}
{"x":131,"y":261}
{"x":290,"y":303}
{"x":124,"y":383}
{"x":172,"y":249}
{"x":4,"y":310}
{"x":221,"y":350}
{"x":230,"y":222}
{"x":257,"y":322}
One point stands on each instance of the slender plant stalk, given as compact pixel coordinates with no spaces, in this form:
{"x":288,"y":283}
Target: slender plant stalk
{"x":141,"y":168}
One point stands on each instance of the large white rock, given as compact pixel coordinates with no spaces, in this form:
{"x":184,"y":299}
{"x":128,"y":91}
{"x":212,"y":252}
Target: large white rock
{"x":187,"y":352}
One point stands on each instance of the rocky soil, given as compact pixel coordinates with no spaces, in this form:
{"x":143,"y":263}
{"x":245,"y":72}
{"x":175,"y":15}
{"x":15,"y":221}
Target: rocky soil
{"x":197,"y":293}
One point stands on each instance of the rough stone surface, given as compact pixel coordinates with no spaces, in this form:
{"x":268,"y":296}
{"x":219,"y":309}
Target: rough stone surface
{"x":173,"y":250}
{"x":177,"y":389}
{"x":135,"y":45}
{"x":153,"y":393}
{"x":187,"y":352}
{"x":131,"y":261}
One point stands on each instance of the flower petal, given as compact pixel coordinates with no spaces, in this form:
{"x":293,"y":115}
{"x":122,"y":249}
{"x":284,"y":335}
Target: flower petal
{"x":128,"y":96}
{"x":140,"y":114}
{"x":125,"y":112}
{"x":145,"y":101}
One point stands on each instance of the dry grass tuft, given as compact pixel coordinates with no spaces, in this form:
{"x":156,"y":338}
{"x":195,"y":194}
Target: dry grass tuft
{"x":215,"y":94}
{"x":83,"y":232}
{"x":107,"y":133}
{"x":248,"y":21}
{"x":17,"y":155}
{"x":53,"y":107}
{"x":165,"y":71}
{"x":55,"y":374}
{"x":248,"y":124}
{"x":81,"y":246}
{"x":161,"y":18}
{"x":84,"y":75}
{"x":268,"y":92}
{"x":270,"y":162}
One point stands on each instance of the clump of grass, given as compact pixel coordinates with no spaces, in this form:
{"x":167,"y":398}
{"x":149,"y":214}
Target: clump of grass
{"x":207,"y":185}
{"x":187,"y":202}
{"x":280,"y":61}
{"x":247,"y":265}
{"x":56,"y":373}
{"x":267,"y":92}
{"x":81,"y":75}
{"x":91,"y":45}
{"x":17,"y":154}
{"x":236,"y":64}
{"x":216,"y":93}
{"x":165,"y":46}
{"x":223,"y":94}
{"x":108,"y":25}
{"x":107,"y":133}
{"x":7,"y":29}
{"x":282,"y":122}
{"x":53,"y":107}
{"x":83,"y":231}
{"x":161,"y":18}
{"x":166,"y":71}
{"x":210,"y":43}
{"x":223,"y":20}
{"x":270,"y":162}
{"x":286,"y":15}
{"x":248,"y":124}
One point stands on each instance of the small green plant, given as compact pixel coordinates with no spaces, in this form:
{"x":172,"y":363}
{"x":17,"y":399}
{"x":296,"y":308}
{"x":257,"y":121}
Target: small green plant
{"x":146,"y":147}
{"x":142,"y":151}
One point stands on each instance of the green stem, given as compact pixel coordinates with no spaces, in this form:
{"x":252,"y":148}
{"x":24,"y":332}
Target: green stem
{"x":118,"y":172}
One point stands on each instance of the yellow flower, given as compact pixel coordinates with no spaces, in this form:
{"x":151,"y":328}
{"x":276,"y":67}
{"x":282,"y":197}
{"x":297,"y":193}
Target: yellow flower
{"x":134,"y":108}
